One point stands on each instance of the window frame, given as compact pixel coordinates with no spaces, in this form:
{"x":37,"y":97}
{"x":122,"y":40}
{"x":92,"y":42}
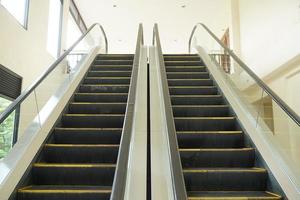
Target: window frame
{"x":17,"y":110}
{"x":26,"y":14}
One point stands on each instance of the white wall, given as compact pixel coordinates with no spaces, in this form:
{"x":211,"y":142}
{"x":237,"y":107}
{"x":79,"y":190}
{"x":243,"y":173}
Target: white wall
{"x":24,"y":51}
{"x":175,"y":23}
{"x":269,"y":32}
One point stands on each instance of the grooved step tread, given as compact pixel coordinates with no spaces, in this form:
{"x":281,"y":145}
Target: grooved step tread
{"x":214,"y":150}
{"x":232,"y":195}
{"x":209,"y":132}
{"x":83,"y":145}
{"x":217,"y":170}
{"x":89,"y":129}
{"x":64,"y":189}
{"x":74,"y":165}
{"x":101,"y":93}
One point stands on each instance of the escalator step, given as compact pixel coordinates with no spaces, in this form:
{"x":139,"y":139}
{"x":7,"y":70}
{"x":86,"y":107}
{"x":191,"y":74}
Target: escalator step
{"x":225,"y":179}
{"x":113,"y":62}
{"x":232,"y":195}
{"x":180,"y":58}
{"x":73,"y":174}
{"x":197,"y":100}
{"x":65,"y":192}
{"x":188,"y":75}
{"x":201,"y":111}
{"x":206,"y":124}
{"x":97,"y":108}
{"x":210,"y":139}
{"x":193,"y":90}
{"x":186,"y":69}
{"x":183,"y":63}
{"x":202,"y":158}
{"x":101,"y":97}
{"x":111,"y":68}
{"x":115,"y":57}
{"x":109,"y":74}
{"x":93,"y":120}
{"x":80,"y":153}
{"x":87,"y":135}
{"x":190,"y":82}
{"x":104,"y":88}
{"x":106,"y":80}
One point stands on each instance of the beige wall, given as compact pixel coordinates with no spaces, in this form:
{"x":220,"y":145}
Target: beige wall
{"x":24,"y":51}
{"x":269,"y":33}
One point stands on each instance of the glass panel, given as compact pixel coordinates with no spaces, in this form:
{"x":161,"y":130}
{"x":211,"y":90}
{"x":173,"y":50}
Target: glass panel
{"x":283,"y":133}
{"x":272,"y":123}
{"x":37,"y":107}
{"x":6,"y":129}
{"x":17,"y":8}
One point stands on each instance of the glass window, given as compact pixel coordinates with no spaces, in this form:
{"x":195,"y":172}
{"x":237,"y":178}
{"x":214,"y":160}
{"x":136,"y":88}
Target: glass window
{"x":6,"y":129}
{"x":54,"y":27}
{"x":18,"y":8}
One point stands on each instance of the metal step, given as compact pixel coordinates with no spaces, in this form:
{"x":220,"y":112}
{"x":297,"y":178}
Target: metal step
{"x":105,"y":88}
{"x":204,"y":158}
{"x":109,"y":74}
{"x":183,"y":63}
{"x":113,"y":62}
{"x":186,"y":69}
{"x":193,"y":90}
{"x":65,"y":192}
{"x":210,"y":139}
{"x":201,"y":111}
{"x":93,"y":120}
{"x":225,"y":179}
{"x":190,"y":82}
{"x":87,"y":135}
{"x":197,"y":100}
{"x":101,"y":97}
{"x":111,"y":68}
{"x":80,"y":153}
{"x":206,"y":124}
{"x":73,"y":174}
{"x":188,"y":75}
{"x":97,"y":108}
{"x":232,"y":195}
{"x":106,"y":80}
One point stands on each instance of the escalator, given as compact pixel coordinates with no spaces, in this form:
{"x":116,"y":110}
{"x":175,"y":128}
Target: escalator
{"x":78,"y":160}
{"x":218,"y":161}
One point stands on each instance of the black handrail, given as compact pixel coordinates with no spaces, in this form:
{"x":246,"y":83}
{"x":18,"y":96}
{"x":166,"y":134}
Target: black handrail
{"x":176,"y":168}
{"x":287,"y":109}
{"x":16,"y":103}
{"x":119,"y":183}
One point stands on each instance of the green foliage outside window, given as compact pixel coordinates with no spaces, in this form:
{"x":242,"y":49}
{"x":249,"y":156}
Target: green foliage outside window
{"x":6,"y":129}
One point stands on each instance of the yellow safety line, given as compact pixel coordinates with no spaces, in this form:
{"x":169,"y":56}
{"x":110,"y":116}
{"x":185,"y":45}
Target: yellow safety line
{"x":94,"y":115}
{"x":252,"y":170}
{"x":212,"y":132}
{"x":204,"y":118}
{"x":216,"y":149}
{"x":72,"y":165}
{"x":90,"y":129}
{"x":82,"y":145}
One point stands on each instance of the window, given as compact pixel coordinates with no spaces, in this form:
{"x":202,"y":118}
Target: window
{"x":6,"y":129}
{"x":10,"y":89}
{"x":54,"y":27}
{"x":18,"y":9}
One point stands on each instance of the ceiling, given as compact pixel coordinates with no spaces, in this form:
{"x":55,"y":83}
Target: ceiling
{"x":175,"y":18}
